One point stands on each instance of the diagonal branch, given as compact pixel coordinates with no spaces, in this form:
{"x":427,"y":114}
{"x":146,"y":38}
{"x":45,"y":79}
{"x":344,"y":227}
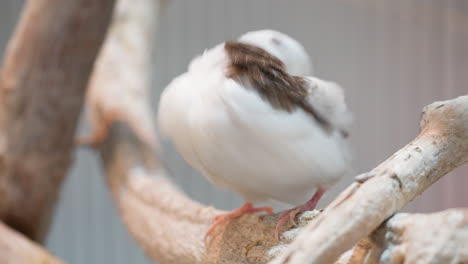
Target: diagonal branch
{"x":441,"y":146}
{"x":47,"y":65}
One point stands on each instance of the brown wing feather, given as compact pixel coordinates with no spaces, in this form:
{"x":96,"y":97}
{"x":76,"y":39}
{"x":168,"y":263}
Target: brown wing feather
{"x":268,"y":76}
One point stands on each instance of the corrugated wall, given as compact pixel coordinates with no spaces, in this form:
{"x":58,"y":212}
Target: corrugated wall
{"x":392,"y":57}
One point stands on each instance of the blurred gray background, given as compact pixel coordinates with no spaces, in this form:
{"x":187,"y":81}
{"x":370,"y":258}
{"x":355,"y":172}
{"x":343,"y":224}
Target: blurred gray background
{"x":391,"y":56}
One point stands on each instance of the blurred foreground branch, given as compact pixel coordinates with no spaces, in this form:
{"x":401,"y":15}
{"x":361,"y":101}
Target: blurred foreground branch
{"x":47,"y":65}
{"x":17,"y":249}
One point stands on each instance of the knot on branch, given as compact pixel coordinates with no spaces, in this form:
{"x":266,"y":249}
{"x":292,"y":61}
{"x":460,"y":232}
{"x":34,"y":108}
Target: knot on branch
{"x":447,"y":118}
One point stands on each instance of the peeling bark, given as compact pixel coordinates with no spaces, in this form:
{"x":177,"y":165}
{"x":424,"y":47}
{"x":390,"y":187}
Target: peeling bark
{"x":47,"y":65}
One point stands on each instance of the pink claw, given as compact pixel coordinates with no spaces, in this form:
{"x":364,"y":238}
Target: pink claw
{"x":290,"y":215}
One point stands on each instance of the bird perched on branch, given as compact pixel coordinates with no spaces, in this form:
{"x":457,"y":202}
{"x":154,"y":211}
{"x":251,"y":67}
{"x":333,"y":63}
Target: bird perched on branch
{"x":248,"y":118}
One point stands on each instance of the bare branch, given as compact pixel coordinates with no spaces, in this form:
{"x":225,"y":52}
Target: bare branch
{"x":119,"y":89}
{"x":440,"y":237}
{"x":441,"y":146}
{"x":422,"y":238}
{"x":47,"y":65}
{"x":168,"y":226}
{"x":17,"y":249}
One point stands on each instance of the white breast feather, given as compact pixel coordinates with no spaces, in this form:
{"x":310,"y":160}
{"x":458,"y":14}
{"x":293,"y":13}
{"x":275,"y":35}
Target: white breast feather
{"x":238,"y":141}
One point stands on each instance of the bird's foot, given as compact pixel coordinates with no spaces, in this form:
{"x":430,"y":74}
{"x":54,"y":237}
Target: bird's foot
{"x":290,"y":215}
{"x":246,"y":208}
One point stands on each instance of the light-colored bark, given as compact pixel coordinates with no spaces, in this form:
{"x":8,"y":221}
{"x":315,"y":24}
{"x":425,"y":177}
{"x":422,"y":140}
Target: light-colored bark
{"x":440,"y":237}
{"x":441,"y":146}
{"x":422,"y":238}
{"x":47,"y":65}
{"x":17,"y":249}
{"x":118,"y":90}
{"x":168,"y":226}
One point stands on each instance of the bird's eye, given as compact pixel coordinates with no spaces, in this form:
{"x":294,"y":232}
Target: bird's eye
{"x":276,"y":41}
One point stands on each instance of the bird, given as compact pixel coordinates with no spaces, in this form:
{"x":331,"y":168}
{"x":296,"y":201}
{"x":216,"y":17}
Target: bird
{"x":250,"y":117}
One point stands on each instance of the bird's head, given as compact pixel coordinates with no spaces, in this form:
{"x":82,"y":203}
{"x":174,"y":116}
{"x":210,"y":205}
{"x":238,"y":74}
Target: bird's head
{"x":282,"y":46}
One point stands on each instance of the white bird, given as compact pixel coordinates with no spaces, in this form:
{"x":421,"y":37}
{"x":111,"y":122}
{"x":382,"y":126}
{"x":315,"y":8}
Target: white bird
{"x":248,"y":119}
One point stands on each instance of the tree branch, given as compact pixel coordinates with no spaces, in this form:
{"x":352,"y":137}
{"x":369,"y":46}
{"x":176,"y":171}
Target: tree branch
{"x":17,"y":249}
{"x":422,"y":238}
{"x":441,"y":146}
{"x":43,"y":80}
{"x":124,"y":70}
{"x":440,"y":237}
{"x":167,"y":225}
